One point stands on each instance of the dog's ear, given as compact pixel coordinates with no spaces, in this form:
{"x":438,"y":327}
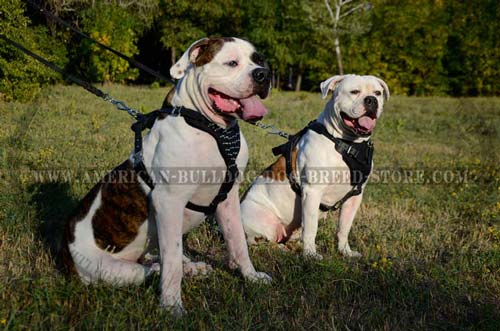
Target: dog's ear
{"x":178,"y":70}
{"x":199,"y":53}
{"x":387,"y":94}
{"x":330,"y":84}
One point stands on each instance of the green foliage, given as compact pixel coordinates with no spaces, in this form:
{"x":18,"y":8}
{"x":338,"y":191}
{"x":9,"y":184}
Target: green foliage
{"x":405,"y":46}
{"x":473,"y":49}
{"x":112,"y":26}
{"x":431,"y":47}
{"x":428,"y":47}
{"x":183,"y":22}
{"x":20,"y":76}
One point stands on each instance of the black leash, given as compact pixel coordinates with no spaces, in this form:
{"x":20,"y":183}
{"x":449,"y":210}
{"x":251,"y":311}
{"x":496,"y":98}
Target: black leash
{"x":133,"y":62}
{"x":228,"y":140}
{"x":120,"y":105}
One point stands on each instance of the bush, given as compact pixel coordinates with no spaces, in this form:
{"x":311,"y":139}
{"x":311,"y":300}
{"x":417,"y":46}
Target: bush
{"x":21,"y":77}
{"x":114,"y":27}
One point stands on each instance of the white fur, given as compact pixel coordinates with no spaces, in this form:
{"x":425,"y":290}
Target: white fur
{"x":173,"y":144}
{"x":273,"y":211}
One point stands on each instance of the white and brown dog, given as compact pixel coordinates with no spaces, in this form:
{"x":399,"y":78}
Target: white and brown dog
{"x":109,"y":234}
{"x":272,"y":210}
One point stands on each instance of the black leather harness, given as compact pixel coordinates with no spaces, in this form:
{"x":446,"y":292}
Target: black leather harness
{"x":228,"y":142}
{"x":358,"y":157}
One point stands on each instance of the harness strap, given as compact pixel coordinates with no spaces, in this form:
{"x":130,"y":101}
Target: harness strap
{"x":228,"y":142}
{"x":358,"y":157}
{"x":286,"y":150}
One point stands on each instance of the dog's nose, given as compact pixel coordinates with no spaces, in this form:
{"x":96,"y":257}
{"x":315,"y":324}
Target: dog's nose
{"x":371,"y":102}
{"x":261,"y":75}
{"x":371,"y":106}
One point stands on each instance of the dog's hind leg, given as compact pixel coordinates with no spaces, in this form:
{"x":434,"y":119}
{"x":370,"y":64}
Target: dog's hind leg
{"x":102,"y":266}
{"x":259,"y":222}
{"x":192,"y":269}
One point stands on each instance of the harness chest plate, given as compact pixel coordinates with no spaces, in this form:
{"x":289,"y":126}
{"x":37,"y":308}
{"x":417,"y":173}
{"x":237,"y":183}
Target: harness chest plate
{"x":357,"y":156}
{"x":228,"y":142}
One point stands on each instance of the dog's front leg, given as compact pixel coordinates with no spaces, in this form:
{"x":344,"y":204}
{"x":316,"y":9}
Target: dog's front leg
{"x":347,"y":213}
{"x":311,"y":199}
{"x":168,"y":212}
{"x":228,"y":217}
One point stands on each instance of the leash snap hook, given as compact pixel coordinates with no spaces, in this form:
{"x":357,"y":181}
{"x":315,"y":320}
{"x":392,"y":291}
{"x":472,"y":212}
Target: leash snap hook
{"x":120,"y":105}
{"x":176,"y":112}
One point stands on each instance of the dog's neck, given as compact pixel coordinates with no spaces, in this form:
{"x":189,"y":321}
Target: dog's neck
{"x":331,"y":119}
{"x":196,"y":101}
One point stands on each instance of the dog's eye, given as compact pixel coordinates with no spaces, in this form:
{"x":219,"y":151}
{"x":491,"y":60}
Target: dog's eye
{"x":355,"y":92}
{"x":232,"y":64}
{"x":378,"y":93}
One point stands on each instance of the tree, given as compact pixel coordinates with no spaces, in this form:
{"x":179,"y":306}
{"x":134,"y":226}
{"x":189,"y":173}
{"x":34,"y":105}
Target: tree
{"x":22,"y":77}
{"x":349,"y":7}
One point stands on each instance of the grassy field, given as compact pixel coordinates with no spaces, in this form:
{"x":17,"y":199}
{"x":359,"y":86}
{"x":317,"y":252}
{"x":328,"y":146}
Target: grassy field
{"x":430,"y":239}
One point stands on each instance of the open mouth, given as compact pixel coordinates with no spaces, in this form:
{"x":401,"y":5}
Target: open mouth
{"x":363,"y":125}
{"x":223,"y":103}
{"x":249,"y":109}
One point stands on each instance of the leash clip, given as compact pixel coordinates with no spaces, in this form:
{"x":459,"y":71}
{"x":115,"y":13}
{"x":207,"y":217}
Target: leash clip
{"x":137,"y":158}
{"x":176,"y":112}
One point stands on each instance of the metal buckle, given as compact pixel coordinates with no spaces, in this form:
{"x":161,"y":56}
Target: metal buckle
{"x":349,"y":150}
{"x":176,"y":112}
{"x":137,"y":158}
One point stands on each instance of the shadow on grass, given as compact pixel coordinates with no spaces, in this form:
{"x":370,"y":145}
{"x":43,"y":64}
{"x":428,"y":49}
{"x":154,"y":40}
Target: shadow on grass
{"x":53,"y":203}
{"x":342,"y":294}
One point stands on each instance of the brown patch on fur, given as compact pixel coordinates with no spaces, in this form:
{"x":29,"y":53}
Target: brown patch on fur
{"x":124,"y":208}
{"x":168,"y":98}
{"x":208,"y":48}
{"x":277,"y":170}
{"x":69,"y":230}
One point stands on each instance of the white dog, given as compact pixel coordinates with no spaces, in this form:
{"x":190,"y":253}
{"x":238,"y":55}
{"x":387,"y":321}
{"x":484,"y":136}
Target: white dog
{"x":328,"y":164}
{"x":220,"y":79}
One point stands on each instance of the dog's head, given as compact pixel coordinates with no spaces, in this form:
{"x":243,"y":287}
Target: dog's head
{"x":224,"y":78}
{"x":357,"y":101}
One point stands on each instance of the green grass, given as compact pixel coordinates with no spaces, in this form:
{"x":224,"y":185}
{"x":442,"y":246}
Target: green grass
{"x":430,"y":251}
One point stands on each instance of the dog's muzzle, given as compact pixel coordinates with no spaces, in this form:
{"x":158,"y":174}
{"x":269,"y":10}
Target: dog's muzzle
{"x":371,"y":106}
{"x":262,"y":80}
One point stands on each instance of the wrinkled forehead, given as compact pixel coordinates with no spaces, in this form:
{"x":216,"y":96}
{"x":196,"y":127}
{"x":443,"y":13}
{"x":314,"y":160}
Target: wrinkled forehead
{"x":360,"y":83}
{"x":235,"y":48}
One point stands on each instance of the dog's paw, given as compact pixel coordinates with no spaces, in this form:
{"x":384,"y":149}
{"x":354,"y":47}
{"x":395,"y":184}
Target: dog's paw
{"x":350,"y":253}
{"x":176,"y":310}
{"x":312,"y":255}
{"x":150,"y":258}
{"x":295,"y":236}
{"x":192,"y":269}
{"x":259,"y":277}
{"x":154,"y":268}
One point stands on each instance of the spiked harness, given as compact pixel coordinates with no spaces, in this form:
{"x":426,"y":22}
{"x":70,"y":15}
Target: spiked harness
{"x":357,"y":156}
{"x":228,"y":142}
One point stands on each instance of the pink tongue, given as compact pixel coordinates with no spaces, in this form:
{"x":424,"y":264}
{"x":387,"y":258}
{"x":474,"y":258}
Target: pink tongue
{"x":252,"y":108}
{"x":367,"y":122}
{"x":226,"y":105}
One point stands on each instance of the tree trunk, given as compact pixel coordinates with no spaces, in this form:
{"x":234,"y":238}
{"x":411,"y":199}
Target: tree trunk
{"x":278,"y":81}
{"x":335,"y":20}
{"x":172,"y":56}
{"x":339,"y":56}
{"x":299,"y":83}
